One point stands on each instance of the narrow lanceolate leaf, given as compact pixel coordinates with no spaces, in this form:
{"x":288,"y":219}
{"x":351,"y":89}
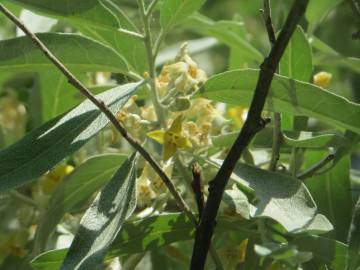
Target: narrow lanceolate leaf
{"x":103,"y":220}
{"x":176,"y":11}
{"x":286,"y":95}
{"x":44,"y":147}
{"x":296,"y":63}
{"x":76,"y":188}
{"x":76,"y":52}
{"x":92,"y":12}
{"x":299,"y":139}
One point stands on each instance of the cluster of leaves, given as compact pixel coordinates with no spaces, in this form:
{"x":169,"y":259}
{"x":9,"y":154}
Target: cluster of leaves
{"x":83,"y":170}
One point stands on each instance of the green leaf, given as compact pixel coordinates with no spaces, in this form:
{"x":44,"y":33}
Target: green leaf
{"x":176,"y":11}
{"x":73,"y":190}
{"x":237,"y":201}
{"x":318,"y":10}
{"x":283,"y":252}
{"x":296,"y":62}
{"x":332,"y":190}
{"x":92,"y":12}
{"x":328,"y":56}
{"x":103,"y":220}
{"x":76,"y":52}
{"x":286,"y":95}
{"x":146,"y":234}
{"x":324,"y":250}
{"x":132,"y":48}
{"x":57,"y":95}
{"x":49,"y":260}
{"x":298,"y":139}
{"x":44,"y":147}
{"x":231,"y":33}
{"x":353,"y":256}
{"x":279,"y":196}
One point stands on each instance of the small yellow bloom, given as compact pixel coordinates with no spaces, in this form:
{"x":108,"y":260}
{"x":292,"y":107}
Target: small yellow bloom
{"x":51,"y":179}
{"x":172,"y":139}
{"x":237,"y":115}
{"x":322,"y":79}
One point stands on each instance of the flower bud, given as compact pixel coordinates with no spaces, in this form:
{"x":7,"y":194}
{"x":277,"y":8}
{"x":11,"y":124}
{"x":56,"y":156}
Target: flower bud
{"x":180,"y":104}
{"x":322,"y":79}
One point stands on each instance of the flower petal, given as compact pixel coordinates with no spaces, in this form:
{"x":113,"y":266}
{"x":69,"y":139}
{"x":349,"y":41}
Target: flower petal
{"x":176,"y":126}
{"x":169,"y":150}
{"x":157,"y":135}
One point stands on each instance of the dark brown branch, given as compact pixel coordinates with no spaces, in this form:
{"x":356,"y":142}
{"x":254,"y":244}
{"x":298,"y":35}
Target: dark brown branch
{"x":316,"y":167}
{"x":198,"y":188}
{"x":266,"y":12}
{"x":277,"y":135}
{"x":102,"y":107}
{"x":252,"y":125}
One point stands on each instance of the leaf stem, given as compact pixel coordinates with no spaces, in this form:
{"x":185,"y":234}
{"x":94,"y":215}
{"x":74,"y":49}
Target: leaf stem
{"x":252,"y":125}
{"x":102,"y":107}
{"x":151,"y":62}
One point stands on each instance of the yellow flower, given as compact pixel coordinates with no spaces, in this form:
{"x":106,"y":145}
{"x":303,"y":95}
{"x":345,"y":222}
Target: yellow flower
{"x":238,"y":115}
{"x":50,"y":180}
{"x":322,"y":79}
{"x":172,"y":139}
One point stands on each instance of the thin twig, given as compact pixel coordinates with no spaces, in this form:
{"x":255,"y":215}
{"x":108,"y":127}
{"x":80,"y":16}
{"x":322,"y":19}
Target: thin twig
{"x":252,"y":125}
{"x":198,"y":188}
{"x":102,"y":107}
{"x":277,"y":139}
{"x":277,"y":135}
{"x":266,"y":12}
{"x":316,"y":167}
{"x":151,"y":7}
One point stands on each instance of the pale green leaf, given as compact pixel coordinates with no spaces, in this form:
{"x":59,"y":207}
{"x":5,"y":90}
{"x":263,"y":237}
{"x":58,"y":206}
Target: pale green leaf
{"x":279,"y":196}
{"x":92,"y":12}
{"x":287,"y":96}
{"x":44,"y":147}
{"x":76,"y":52}
{"x":176,"y":11}
{"x":103,"y":220}
{"x":73,"y":190}
{"x":296,"y":62}
{"x":298,"y":139}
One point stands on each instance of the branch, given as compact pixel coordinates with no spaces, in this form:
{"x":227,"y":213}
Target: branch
{"x":266,"y":13}
{"x":102,"y":107}
{"x":252,"y":125}
{"x":198,"y":188}
{"x":277,"y":135}
{"x":316,"y":167}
